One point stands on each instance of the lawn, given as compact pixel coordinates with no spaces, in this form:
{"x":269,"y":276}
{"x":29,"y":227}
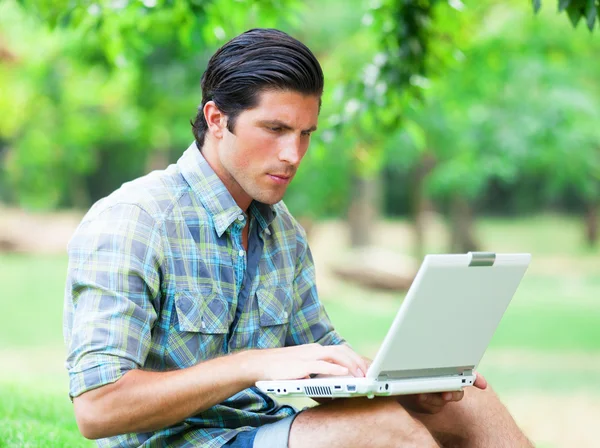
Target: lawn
{"x":548,"y":344}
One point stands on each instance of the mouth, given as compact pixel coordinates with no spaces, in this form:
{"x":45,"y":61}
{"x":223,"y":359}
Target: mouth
{"x":280,"y":179}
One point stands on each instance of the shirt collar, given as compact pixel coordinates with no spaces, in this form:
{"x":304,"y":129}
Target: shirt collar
{"x":215,"y":197}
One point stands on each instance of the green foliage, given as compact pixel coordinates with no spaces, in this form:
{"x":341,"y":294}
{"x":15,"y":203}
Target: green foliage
{"x":100,"y":89}
{"x":129,"y":31}
{"x":375,"y":98}
{"x":576,"y":10}
{"x":95,"y":94}
{"x":522,"y":105}
{"x":376,"y":73}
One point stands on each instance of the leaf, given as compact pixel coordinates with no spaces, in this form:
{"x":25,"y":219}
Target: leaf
{"x":591,"y":12}
{"x":537,"y":4}
{"x":575,"y":14}
{"x":563,"y":4}
{"x":417,"y":134}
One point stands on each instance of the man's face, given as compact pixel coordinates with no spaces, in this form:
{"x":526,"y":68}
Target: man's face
{"x":259,"y":160}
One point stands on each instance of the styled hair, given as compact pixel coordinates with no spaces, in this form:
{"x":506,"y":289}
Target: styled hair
{"x":256,"y":61}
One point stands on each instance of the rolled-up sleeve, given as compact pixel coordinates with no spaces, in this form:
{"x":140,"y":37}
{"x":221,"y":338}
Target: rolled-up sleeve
{"x":309,"y":322}
{"x":111,"y":295}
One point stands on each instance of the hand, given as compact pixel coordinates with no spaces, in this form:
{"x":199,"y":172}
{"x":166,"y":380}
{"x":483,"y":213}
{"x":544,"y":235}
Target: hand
{"x":435,"y":402}
{"x":291,"y":363}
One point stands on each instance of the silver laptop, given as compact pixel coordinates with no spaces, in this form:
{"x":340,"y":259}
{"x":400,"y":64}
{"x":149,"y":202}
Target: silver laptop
{"x":440,"y":332}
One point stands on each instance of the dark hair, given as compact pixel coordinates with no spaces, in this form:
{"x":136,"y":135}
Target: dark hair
{"x":253,"y":62}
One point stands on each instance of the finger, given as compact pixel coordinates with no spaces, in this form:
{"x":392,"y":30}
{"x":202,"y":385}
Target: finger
{"x":362,"y":362}
{"x":457,"y":395}
{"x":435,"y":400}
{"x":351,"y":359}
{"x":326,"y":368}
{"x":339,"y":354}
{"x":429,"y":404}
{"x":480,"y":382}
{"x":333,"y":355}
{"x":317,"y":352}
{"x":342,"y":356}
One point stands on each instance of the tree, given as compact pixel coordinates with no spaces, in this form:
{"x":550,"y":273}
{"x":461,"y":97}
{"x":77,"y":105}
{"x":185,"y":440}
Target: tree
{"x":511,"y":112}
{"x":405,"y":44}
{"x":101,"y":88}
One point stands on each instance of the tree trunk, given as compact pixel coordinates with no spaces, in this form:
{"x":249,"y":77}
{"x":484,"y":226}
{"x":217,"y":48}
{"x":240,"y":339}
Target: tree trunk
{"x":363,"y":210}
{"x":462,"y":238}
{"x":79,"y":194}
{"x":419,"y":204}
{"x":591,"y":223}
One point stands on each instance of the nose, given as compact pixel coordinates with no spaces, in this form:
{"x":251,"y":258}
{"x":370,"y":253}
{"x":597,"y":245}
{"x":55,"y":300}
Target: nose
{"x":293,"y":150}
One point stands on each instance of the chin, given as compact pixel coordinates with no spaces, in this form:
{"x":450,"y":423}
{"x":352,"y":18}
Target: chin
{"x":270,"y":199}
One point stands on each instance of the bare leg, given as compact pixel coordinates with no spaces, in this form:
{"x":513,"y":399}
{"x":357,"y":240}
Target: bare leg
{"x":479,"y":420}
{"x":359,"y":422}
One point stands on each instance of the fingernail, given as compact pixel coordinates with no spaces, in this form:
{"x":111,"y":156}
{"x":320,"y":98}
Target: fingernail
{"x":359,"y":372}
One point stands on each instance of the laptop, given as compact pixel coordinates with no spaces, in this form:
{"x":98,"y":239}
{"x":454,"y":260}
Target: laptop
{"x":439,"y":334}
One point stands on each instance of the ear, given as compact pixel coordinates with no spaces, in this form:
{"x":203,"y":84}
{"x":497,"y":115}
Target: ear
{"x":215,"y":119}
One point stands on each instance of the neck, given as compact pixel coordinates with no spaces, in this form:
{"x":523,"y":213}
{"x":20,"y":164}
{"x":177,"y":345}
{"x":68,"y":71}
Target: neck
{"x":210,"y":152}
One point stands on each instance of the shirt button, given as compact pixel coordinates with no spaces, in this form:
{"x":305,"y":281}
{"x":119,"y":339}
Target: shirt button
{"x":285,"y":315}
{"x":241,"y":253}
{"x":203,"y":325}
{"x":240,"y":218}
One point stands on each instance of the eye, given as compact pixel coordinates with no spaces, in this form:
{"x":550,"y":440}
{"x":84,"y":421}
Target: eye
{"x":275,"y":129}
{"x":307,"y":133}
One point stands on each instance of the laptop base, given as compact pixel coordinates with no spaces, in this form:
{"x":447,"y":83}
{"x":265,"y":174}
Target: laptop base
{"x":338,"y":387}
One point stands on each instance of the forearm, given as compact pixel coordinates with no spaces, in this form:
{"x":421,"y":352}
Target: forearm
{"x":145,"y":401}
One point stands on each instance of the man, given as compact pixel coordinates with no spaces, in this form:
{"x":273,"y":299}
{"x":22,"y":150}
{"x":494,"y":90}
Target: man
{"x":188,"y":285}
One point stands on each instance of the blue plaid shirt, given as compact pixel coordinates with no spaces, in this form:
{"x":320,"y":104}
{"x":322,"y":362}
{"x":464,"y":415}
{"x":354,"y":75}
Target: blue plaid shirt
{"x":158,"y":279}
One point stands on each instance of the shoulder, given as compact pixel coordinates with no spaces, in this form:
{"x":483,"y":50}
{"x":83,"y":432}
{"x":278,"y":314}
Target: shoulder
{"x":153,"y":195}
{"x":289,"y":232}
{"x":286,"y":222}
{"x":131,"y":215}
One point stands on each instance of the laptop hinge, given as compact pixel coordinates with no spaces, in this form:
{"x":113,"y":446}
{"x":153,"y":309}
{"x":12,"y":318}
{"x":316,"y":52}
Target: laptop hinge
{"x":482,"y":259}
{"x":420,"y":373}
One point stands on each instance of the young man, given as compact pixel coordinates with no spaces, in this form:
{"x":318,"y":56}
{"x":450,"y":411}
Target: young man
{"x":188,"y":285}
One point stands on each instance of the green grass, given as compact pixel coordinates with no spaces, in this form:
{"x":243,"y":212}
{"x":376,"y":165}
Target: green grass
{"x":33,"y":288}
{"x":35,"y":410}
{"x":539,"y":234}
{"x":556,"y":312}
{"x":545,"y":330}
{"x":554,"y":327}
{"x":32,"y":416}
{"x":537,"y":319}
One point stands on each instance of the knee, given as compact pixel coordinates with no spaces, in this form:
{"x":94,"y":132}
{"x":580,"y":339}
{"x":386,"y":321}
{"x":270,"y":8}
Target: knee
{"x":360,"y":422}
{"x":403,"y":429}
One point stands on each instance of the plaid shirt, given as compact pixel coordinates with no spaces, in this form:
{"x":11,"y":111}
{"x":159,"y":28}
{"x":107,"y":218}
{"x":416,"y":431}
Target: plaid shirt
{"x":156,"y":272}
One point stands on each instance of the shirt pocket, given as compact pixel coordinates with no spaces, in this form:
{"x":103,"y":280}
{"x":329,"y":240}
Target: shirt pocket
{"x":275,"y":310}
{"x":200,"y":327}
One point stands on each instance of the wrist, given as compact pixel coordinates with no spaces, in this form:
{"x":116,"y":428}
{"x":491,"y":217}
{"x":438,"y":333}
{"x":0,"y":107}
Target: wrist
{"x":250,"y":366}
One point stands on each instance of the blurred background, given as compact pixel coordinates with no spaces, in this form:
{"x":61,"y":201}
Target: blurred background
{"x":446,"y":126}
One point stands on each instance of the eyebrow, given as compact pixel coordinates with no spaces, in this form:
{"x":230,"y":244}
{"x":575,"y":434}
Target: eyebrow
{"x":281,"y":124}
